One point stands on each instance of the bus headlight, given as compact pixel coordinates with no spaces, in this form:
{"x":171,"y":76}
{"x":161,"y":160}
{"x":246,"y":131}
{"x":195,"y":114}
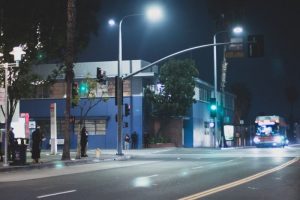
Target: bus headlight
{"x":278,"y":139}
{"x":256,"y":140}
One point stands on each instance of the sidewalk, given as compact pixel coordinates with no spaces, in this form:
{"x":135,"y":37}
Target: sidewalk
{"x":48,"y":160}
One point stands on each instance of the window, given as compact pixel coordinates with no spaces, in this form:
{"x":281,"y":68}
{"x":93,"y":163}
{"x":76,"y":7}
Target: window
{"x":94,"y":127}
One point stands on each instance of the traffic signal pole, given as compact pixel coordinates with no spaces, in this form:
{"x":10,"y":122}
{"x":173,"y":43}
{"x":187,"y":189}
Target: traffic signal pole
{"x":119,"y":92}
{"x":119,"y":115}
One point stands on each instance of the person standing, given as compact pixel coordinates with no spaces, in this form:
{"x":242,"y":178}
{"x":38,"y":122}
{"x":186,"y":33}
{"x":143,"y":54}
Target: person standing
{"x":11,"y":144}
{"x":36,"y":145}
{"x":83,"y":142}
{"x":1,"y":154}
{"x":134,"y":139}
{"x":126,"y":142}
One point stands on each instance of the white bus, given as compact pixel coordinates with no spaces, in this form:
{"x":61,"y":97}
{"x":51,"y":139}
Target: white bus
{"x":270,"y":131}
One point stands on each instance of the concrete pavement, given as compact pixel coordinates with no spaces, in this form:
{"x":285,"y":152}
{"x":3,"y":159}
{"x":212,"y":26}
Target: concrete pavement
{"x":48,"y":160}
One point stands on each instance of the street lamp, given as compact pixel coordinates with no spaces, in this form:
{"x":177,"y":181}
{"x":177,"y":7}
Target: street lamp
{"x":153,"y":13}
{"x":17,"y":52}
{"x":235,"y":30}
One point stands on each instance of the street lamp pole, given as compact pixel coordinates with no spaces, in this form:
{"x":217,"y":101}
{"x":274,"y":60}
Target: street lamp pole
{"x":154,"y":13}
{"x":119,"y":84}
{"x":17,"y":53}
{"x":215,"y":86}
{"x":236,"y":30}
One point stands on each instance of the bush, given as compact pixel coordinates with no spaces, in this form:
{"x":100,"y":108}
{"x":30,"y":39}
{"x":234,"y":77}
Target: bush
{"x":159,"y":139}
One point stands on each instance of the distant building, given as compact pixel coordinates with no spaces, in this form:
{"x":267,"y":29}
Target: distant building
{"x":101,"y":123}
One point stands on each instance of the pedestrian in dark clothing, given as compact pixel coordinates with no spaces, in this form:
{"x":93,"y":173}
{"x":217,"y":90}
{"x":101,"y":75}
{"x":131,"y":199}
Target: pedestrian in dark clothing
{"x":126,"y":142}
{"x":134,"y":139}
{"x":1,"y":152}
{"x":11,"y":144}
{"x":36,"y":144}
{"x":83,"y":142}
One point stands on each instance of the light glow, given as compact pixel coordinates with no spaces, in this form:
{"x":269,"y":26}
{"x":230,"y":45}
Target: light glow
{"x":238,"y":30}
{"x":111,"y":22}
{"x":256,"y":140}
{"x":154,"y":13}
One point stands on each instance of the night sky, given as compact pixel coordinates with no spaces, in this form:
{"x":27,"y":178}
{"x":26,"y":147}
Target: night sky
{"x":188,"y":23}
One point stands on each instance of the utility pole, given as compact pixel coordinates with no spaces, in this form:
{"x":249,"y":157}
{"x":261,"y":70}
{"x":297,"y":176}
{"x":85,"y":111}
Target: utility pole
{"x":69,"y":62}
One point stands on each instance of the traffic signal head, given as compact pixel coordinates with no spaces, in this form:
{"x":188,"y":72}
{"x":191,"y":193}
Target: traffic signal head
{"x":127,"y":109}
{"x":213,"y":107}
{"x":255,"y":45}
{"x":84,"y":88}
{"x":101,"y":76}
{"x":75,"y":97}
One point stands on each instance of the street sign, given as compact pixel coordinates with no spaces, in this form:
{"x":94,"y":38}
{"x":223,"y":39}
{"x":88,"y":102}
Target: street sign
{"x":235,"y":50}
{"x":2,"y":96}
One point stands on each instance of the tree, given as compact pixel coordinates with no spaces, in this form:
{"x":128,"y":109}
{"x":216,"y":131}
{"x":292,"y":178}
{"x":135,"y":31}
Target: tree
{"x":242,"y":101}
{"x":40,"y":26}
{"x":91,"y":99}
{"x":176,"y":94}
{"x":292,"y":96}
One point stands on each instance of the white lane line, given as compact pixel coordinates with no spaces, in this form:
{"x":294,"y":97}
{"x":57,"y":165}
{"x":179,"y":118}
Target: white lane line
{"x":154,"y":175}
{"x":238,"y":182}
{"x":55,"y":194}
{"x":212,"y":164}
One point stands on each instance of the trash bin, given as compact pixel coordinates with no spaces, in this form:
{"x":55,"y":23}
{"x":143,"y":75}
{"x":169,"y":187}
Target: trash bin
{"x":20,"y":151}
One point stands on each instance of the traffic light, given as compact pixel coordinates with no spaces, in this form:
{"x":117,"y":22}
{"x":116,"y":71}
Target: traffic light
{"x":40,"y":55}
{"x":255,"y":46}
{"x":84,"y":88}
{"x":101,"y":76}
{"x":75,"y":97}
{"x":127,"y":109}
{"x":213,"y":107}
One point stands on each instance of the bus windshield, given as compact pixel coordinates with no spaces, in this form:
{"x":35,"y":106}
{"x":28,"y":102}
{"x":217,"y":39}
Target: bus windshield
{"x":267,"y":130}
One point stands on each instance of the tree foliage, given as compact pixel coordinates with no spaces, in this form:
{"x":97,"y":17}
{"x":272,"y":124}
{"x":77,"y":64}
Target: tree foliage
{"x":175,"y":96}
{"x":88,"y":101}
{"x":41,"y":25}
{"x":242,"y":101}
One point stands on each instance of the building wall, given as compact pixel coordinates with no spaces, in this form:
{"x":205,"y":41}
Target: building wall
{"x":40,"y":109}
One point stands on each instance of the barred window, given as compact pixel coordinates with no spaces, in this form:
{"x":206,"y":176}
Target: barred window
{"x":94,"y":127}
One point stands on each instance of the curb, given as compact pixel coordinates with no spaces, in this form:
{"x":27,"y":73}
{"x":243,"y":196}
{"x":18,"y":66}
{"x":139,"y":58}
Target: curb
{"x":61,"y":163}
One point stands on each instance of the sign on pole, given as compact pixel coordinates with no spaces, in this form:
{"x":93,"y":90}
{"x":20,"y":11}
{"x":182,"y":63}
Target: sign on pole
{"x":235,"y":50}
{"x":2,"y":96}
{"x":53,"y":140}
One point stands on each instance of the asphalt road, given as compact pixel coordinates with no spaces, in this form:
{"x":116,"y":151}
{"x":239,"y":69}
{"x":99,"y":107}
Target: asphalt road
{"x":268,"y":173}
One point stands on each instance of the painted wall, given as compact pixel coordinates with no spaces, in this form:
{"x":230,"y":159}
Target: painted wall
{"x":40,"y":109}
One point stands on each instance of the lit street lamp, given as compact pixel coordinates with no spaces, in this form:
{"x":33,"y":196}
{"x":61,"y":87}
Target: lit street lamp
{"x":17,"y":52}
{"x":235,"y":30}
{"x":153,"y":13}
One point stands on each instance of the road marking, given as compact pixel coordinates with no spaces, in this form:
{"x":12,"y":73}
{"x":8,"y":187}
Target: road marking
{"x":55,"y":194}
{"x":154,"y":175}
{"x":238,"y":182}
{"x":212,"y":164}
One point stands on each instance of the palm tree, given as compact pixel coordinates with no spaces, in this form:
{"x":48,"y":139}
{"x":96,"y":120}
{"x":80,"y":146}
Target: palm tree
{"x":292,"y":96}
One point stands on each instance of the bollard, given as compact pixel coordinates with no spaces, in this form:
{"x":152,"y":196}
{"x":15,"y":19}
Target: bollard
{"x":98,"y":153}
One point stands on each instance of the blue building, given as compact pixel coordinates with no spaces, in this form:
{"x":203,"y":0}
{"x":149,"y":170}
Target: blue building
{"x":100,"y":121}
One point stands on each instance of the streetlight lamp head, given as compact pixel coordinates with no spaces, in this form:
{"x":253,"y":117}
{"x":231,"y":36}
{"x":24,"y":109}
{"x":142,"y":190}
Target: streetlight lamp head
{"x":238,"y":30}
{"x":154,"y":13}
{"x":111,"y":22}
{"x":17,"y":52}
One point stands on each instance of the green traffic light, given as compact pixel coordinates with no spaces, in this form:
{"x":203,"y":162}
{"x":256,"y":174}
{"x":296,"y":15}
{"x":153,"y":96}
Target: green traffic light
{"x":83,"y":88}
{"x":213,"y":107}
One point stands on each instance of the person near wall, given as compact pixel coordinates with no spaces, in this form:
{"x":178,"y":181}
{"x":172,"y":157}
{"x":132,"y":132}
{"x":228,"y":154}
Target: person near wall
{"x":11,"y":144}
{"x":83,"y":142}
{"x":1,"y":152}
{"x":36,"y":145}
{"x":126,"y":142}
{"x":134,"y":139}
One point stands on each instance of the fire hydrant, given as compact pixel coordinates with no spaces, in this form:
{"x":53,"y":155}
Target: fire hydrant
{"x":98,"y":153}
